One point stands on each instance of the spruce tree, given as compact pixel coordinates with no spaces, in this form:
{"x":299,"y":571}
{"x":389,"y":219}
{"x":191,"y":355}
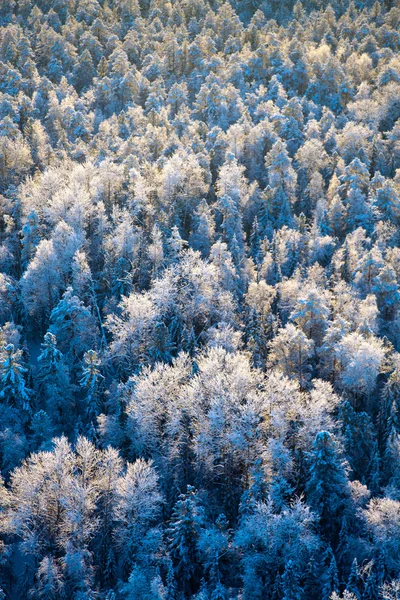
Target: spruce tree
{"x":327,"y":488}
{"x":14,"y":391}
{"x":329,"y":575}
{"x":290,"y":583}
{"x":183,"y":534}
{"x":92,"y":381}
{"x":353,"y":583}
{"x":53,"y":382}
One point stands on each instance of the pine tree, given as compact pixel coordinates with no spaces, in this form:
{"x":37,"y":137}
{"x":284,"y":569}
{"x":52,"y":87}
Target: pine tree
{"x":92,"y":381}
{"x":311,"y":314}
{"x":163,"y":347}
{"x":53,"y":382}
{"x":386,"y":201}
{"x":327,"y":487}
{"x":370,"y":589}
{"x":255,"y":243}
{"x":277,"y":591}
{"x":50,"y":581}
{"x":391,"y":459}
{"x":312,"y":587}
{"x":183,"y":535}
{"x":30,"y":238}
{"x":374,"y":472}
{"x":329,"y":577}
{"x":50,"y":358}
{"x":41,"y":429}
{"x":258,"y":334}
{"x":175,"y":245}
{"x":290,"y":583}
{"x":84,"y":71}
{"x":231,"y":222}
{"x":69,"y":318}
{"x":353,"y":583}
{"x":203,"y":233}
{"x":282,"y":184}
{"x":13,"y":386}
{"x":257,"y":490}
{"x":387,"y":293}
{"x":388,"y":417}
{"x":359,"y":439}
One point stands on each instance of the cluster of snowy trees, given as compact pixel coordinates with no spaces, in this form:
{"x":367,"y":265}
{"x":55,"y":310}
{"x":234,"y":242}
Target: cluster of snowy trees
{"x":200,"y":300}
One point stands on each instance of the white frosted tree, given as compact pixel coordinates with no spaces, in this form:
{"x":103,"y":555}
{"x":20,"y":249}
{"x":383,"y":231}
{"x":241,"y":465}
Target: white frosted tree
{"x":291,"y":351}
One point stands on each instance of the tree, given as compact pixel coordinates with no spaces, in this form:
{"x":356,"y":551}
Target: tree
{"x":41,"y":283}
{"x":330,"y":579}
{"x":327,"y":488}
{"x":382,"y":519}
{"x":131,"y":331}
{"x":282,"y":185}
{"x":92,"y":380}
{"x":387,"y":293}
{"x":353,"y":583}
{"x":311,"y":314}
{"x":111,"y":466}
{"x":266,"y":541}
{"x":53,"y":382}
{"x":231,"y":223}
{"x":80,"y":525}
{"x":28,"y":486}
{"x":41,"y":429}
{"x":386,"y":200}
{"x":261,"y":320}
{"x":361,"y":362}
{"x":177,"y":96}
{"x":346,"y":596}
{"x":391,"y":591}
{"x":359,"y":441}
{"x":203,"y":233}
{"x":371,"y":588}
{"x":69,"y":317}
{"x":84,"y":71}
{"x":156,"y":250}
{"x":138,"y":585}
{"x":291,"y":351}
{"x":13,"y":386}
{"x":290,"y":583}
{"x":214,"y":549}
{"x":183,"y":535}
{"x":30,"y":239}
{"x":367,"y":270}
{"x":50,"y":583}
{"x":137,"y":508}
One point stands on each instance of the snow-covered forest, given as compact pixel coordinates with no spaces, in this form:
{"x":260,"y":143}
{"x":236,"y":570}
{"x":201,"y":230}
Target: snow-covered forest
{"x":199,"y":300}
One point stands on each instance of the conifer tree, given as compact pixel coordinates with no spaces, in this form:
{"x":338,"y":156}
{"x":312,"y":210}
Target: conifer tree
{"x":353,"y":583}
{"x":92,"y":381}
{"x":183,"y":534}
{"x":290,"y":583}
{"x":53,"y":382}
{"x":327,"y":487}
{"x":69,"y":317}
{"x":14,"y":391}
{"x":329,"y":578}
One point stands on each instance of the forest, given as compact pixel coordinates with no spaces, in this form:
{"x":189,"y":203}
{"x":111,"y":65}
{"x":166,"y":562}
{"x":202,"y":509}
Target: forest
{"x":199,"y":300}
